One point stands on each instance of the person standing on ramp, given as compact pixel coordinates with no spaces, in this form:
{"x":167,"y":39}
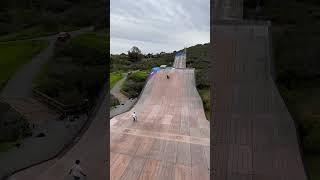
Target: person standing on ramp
{"x":76,"y":171}
{"x":134,"y":116}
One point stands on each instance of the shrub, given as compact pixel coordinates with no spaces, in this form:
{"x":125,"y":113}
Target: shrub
{"x":113,"y":101}
{"x":12,"y":125}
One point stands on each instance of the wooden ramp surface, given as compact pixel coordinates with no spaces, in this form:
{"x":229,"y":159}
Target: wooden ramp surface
{"x":254,"y":137}
{"x":170,"y":139}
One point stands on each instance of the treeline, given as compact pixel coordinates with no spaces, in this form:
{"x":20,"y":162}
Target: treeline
{"x":16,"y":15}
{"x":137,"y":60}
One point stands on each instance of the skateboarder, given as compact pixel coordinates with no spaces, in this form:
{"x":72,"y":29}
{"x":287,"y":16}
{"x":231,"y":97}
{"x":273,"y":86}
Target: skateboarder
{"x":168,"y":77}
{"x":76,"y":171}
{"x":134,"y":116}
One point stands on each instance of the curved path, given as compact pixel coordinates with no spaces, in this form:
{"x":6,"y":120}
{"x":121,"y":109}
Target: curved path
{"x":116,"y":90}
{"x":170,"y":139}
{"x":90,"y":150}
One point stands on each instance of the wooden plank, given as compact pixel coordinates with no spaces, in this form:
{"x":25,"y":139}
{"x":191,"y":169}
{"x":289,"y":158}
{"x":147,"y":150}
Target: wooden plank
{"x":113,"y":157}
{"x":157,"y":149}
{"x":182,"y":172}
{"x":165,"y":171}
{"x":170,"y":152}
{"x":150,"y":169}
{"x":145,"y":147}
{"x":184,"y":154}
{"x":134,"y":169}
{"x":119,"y":166}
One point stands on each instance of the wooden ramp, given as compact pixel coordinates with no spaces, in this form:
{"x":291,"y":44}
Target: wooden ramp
{"x":180,"y":60}
{"x":254,"y":137}
{"x":170,"y":139}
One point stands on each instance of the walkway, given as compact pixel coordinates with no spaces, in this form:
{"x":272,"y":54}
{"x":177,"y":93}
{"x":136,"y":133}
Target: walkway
{"x":90,"y":150}
{"x":116,"y":90}
{"x":170,"y":139}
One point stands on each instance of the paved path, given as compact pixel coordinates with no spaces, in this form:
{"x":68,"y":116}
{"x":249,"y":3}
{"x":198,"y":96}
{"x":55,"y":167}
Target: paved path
{"x":116,"y":90}
{"x":90,"y":150}
{"x":170,"y":139}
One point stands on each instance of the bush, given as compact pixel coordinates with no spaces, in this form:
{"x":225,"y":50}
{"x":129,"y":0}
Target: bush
{"x":113,"y":101}
{"x":12,"y":125}
{"x":75,"y":73}
{"x":134,"y":83}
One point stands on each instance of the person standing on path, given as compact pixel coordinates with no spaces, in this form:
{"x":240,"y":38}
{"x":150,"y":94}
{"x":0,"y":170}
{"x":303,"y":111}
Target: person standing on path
{"x":76,"y":171}
{"x":134,"y":116}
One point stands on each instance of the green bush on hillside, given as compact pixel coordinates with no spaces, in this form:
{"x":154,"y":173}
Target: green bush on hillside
{"x":134,"y":83}
{"x":75,"y":73}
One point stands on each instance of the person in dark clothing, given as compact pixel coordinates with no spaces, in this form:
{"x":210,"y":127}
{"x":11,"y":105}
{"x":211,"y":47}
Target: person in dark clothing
{"x":76,"y":171}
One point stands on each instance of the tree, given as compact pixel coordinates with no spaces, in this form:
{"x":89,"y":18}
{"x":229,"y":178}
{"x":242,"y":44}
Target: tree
{"x":135,"y":54}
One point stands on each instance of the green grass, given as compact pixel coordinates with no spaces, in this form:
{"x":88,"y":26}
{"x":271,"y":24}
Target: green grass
{"x":95,"y":40}
{"x":114,"y":78}
{"x":140,"y":76}
{"x":15,"y":54}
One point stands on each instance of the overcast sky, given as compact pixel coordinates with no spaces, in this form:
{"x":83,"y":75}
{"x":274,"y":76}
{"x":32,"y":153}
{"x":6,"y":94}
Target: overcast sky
{"x":158,"y":25}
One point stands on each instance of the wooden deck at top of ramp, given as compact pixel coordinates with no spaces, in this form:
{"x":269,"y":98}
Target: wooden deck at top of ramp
{"x":170,"y":139}
{"x":180,"y":61}
{"x":254,"y":137}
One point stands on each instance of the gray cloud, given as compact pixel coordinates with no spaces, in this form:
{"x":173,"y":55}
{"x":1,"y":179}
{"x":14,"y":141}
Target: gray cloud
{"x":158,"y":25}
